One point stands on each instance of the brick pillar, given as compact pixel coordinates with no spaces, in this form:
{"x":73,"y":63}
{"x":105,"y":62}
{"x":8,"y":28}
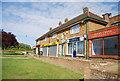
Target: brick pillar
{"x":90,"y":47}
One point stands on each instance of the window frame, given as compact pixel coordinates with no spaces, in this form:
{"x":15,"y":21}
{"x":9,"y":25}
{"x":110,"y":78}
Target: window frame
{"x":104,"y":47}
{"x":54,"y":35}
{"x":73,"y":29}
{"x":45,"y":39}
{"x":77,"y":48}
{"x":68,"y":49}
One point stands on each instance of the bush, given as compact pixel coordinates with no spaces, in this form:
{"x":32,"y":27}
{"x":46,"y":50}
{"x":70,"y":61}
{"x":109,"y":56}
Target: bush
{"x":19,"y":49}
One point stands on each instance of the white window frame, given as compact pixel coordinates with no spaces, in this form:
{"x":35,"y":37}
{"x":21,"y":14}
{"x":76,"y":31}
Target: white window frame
{"x":45,"y":39}
{"x":75,"y":29}
{"x":77,"y":47}
{"x":54,"y":35}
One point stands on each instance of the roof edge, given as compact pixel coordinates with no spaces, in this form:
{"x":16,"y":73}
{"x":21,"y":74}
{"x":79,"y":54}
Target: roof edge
{"x":85,"y":18}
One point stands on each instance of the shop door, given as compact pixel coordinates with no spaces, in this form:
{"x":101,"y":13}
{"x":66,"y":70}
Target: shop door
{"x":74,"y":49}
{"x":45,"y":51}
{"x":53,"y":50}
{"x":62,"y":50}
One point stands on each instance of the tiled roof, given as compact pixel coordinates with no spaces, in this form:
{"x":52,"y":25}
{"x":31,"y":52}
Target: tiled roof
{"x":95,"y":16}
{"x":84,"y":15}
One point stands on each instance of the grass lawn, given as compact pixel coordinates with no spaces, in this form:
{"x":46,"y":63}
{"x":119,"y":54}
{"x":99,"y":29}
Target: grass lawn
{"x":35,"y":69}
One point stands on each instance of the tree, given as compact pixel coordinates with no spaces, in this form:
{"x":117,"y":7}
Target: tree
{"x":8,"y":40}
{"x":24,"y":46}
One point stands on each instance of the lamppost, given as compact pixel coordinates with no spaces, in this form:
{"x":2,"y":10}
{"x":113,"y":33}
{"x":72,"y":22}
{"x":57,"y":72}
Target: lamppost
{"x":25,"y":45}
{"x":87,"y":40}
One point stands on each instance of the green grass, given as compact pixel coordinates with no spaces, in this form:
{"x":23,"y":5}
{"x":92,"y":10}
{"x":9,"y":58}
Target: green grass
{"x":35,"y":69}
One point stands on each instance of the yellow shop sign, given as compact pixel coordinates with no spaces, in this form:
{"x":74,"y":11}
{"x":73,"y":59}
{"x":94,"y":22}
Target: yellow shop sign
{"x":47,"y":44}
{"x":50,"y":44}
{"x":55,"y":43}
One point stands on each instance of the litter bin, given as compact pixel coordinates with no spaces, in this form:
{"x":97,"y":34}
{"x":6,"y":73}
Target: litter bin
{"x":27,"y":52}
{"x":41,"y":52}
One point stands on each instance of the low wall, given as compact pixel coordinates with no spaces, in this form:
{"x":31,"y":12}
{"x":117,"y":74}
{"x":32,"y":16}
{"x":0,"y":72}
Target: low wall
{"x":79,"y":65}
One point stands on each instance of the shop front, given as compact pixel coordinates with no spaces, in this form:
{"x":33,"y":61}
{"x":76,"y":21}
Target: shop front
{"x":45,"y":51}
{"x":53,"y":49}
{"x":76,"y":46}
{"x":62,"y":50}
{"x":50,"y":49}
{"x":62,"y":47}
{"x":105,"y":43}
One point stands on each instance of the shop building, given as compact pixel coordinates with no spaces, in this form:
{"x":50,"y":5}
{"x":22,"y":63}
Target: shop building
{"x":76,"y":37}
{"x":105,"y":42}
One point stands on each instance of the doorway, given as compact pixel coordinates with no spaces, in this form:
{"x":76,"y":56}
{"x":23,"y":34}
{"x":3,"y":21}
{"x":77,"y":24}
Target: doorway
{"x":62,"y":50}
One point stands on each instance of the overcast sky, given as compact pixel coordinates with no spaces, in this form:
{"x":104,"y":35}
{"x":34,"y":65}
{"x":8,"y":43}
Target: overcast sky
{"x":30,"y":20}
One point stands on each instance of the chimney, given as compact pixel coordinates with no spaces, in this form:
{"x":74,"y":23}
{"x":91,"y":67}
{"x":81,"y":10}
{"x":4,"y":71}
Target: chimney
{"x":106,"y":16}
{"x":60,"y":23}
{"x":66,"y":20}
{"x":50,"y":28}
{"x":85,"y":10}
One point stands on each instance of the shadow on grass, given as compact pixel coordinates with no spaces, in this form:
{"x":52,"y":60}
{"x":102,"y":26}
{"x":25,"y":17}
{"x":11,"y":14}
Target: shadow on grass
{"x":14,"y":54}
{"x":43,"y":80}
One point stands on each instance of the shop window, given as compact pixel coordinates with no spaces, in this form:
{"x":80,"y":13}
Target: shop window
{"x":111,"y":45}
{"x":69,"y":48}
{"x":97,"y":46}
{"x":75,"y":29}
{"x":80,"y":47}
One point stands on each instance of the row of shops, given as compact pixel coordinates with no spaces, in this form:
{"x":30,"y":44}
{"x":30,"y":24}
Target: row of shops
{"x":104,"y":43}
{"x":87,"y":35}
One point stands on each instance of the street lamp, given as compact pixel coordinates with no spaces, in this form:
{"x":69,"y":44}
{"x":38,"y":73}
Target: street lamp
{"x":25,"y":45}
{"x":87,"y":40}
{"x":86,"y":37}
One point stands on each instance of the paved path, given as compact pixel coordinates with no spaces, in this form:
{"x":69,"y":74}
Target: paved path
{"x":16,"y":57}
{"x":28,"y":57}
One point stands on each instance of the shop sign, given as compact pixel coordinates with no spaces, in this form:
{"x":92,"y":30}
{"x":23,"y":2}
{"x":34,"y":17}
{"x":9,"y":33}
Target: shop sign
{"x":74,"y":39}
{"x":85,"y":36}
{"x":54,"y":43}
{"x":63,"y":41}
{"x":67,"y":40}
{"x":104,"y":33}
{"x":47,"y":44}
{"x":81,"y":38}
